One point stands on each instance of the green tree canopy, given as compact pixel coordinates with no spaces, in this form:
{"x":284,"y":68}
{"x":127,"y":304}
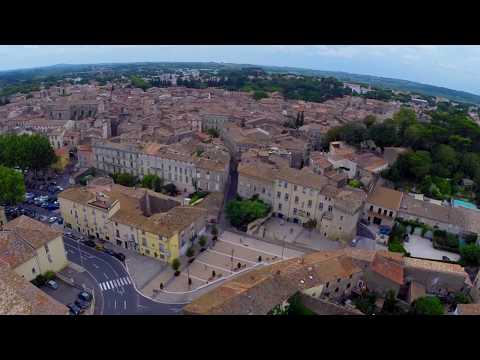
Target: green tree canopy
{"x":242,"y":212}
{"x":152,"y":182}
{"x":12,"y":186}
{"x":427,"y":305}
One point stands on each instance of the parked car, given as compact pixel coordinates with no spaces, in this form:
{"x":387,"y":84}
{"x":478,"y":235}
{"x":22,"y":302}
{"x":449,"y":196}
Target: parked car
{"x":52,"y":219}
{"x":82,"y":304}
{"x":90,"y":243}
{"x":354,"y":242}
{"x":109,"y":252}
{"x":74,"y":309}
{"x":85,"y":296}
{"x":446,"y":258}
{"x":120,"y":256}
{"x":52,"y":284}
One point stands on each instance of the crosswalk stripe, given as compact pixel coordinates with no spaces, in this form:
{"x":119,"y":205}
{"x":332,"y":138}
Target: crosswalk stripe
{"x":107,"y":284}
{"x":101,"y":286}
{"x":117,"y":283}
{"x":121,"y":281}
{"x":128,"y":280}
{"x":111,"y":284}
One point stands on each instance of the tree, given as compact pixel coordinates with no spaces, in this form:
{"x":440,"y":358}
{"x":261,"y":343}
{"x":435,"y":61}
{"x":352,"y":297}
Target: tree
{"x":190,"y":252}
{"x":213,"y":132}
{"x":170,"y":189}
{"x":384,"y":134}
{"x":470,"y":254}
{"x":445,"y":157}
{"x":390,"y":305}
{"x":152,"y":182}
{"x":12,"y":186}
{"x":404,"y":118}
{"x":214,"y":230}
{"x":125,"y":179}
{"x":259,"y":94}
{"x":242,"y":212}
{"x":176,"y":264}
{"x":420,"y":164}
{"x":427,"y":305}
{"x":461,"y":298}
{"x":202,"y":241}
{"x":369,"y":120}
{"x":366,"y":302}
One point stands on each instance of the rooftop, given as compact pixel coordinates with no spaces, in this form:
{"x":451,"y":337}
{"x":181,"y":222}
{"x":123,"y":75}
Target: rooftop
{"x":385,"y":197}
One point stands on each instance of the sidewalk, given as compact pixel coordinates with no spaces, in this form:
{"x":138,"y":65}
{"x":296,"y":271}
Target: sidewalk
{"x":142,"y":269}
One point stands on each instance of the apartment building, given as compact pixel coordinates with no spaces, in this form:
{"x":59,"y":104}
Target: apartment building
{"x":31,"y":248}
{"x":187,"y":171}
{"x":300,"y":196}
{"x":138,"y":219}
{"x":382,"y":206}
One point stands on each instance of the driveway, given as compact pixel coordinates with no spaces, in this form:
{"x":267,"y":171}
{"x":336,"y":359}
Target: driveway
{"x":421,"y":247}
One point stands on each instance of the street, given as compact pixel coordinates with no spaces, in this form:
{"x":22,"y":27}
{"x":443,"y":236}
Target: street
{"x":113,"y":283}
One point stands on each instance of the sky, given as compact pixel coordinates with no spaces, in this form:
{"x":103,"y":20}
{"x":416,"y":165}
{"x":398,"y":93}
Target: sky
{"x":453,"y":66}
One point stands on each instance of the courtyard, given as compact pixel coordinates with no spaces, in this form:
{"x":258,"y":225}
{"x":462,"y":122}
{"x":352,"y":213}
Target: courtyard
{"x":418,"y":246}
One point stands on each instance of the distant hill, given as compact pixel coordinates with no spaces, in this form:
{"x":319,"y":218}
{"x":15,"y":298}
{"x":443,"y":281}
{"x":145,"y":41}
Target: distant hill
{"x":11,"y":76}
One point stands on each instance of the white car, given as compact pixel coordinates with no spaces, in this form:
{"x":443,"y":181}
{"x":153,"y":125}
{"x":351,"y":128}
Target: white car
{"x":52,"y":219}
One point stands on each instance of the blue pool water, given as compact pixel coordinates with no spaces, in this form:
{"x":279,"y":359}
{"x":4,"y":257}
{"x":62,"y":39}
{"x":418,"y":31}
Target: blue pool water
{"x":465,"y":204}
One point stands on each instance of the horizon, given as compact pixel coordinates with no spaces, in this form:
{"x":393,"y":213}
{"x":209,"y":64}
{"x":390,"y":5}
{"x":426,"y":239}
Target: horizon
{"x":451,"y":67}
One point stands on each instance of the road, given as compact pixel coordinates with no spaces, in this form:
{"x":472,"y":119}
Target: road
{"x":119,"y":296}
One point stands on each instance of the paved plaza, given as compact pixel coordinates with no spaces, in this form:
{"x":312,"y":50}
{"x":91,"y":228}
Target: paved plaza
{"x":230,"y":255}
{"x":278,"y":229}
{"x":421,"y":247}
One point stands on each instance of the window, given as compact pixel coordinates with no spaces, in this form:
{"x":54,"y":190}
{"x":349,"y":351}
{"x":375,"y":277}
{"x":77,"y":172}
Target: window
{"x":348,"y":286}
{"x":341,"y":218}
{"x":320,"y":206}
{"x":296,"y":199}
{"x":336,"y":290}
{"x":391,"y":214}
{"x":295,"y":187}
{"x":371,"y":207}
{"x":294,"y":211}
{"x":330,"y":208}
{"x":144,"y":242}
{"x":47,"y":249}
{"x":308,"y":214}
{"x":279,"y":207}
{"x":385,"y":212}
{"x":286,"y":197}
{"x":33,"y":271}
{"x":328,"y":283}
{"x":309,"y":204}
{"x":338,"y":280}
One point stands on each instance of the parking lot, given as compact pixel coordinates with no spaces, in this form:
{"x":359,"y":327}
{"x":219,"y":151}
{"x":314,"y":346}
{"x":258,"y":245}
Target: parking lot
{"x":230,"y":254}
{"x":65,"y":294}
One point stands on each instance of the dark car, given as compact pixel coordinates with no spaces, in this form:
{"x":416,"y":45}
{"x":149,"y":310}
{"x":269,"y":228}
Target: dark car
{"x":446,"y":258}
{"x":109,"y":252}
{"x":90,"y":243}
{"x":82,"y":304}
{"x":85,"y":296}
{"x":74,"y":309}
{"x":120,"y":256}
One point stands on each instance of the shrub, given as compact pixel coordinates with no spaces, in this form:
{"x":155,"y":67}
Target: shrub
{"x":190,"y":252}
{"x":202,"y":241}
{"x":427,"y":305}
{"x":461,"y":298}
{"x":470,"y":254}
{"x":214,"y":230}
{"x":49,"y":275}
{"x":40,"y":280}
{"x":176,"y":264}
{"x":396,"y":246}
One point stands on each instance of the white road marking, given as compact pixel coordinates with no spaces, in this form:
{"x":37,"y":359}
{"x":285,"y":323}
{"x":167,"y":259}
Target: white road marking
{"x":121,"y":281}
{"x":128,"y":280}
{"x":115,"y":304}
{"x":95,"y":266}
{"x":116,"y":283}
{"x":106,"y":276}
{"x":111,"y":284}
{"x":102,"y":287}
{"x":125,"y":304}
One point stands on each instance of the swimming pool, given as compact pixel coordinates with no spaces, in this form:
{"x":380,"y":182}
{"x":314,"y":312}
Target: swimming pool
{"x":465,"y":204}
